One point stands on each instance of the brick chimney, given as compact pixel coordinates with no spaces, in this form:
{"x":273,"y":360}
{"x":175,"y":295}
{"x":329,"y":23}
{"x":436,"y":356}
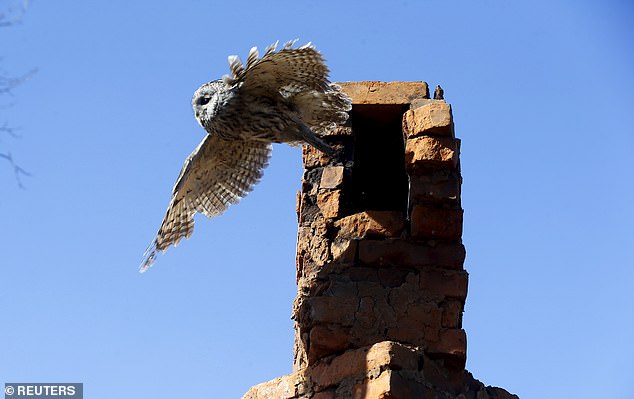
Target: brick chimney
{"x":381,"y":283}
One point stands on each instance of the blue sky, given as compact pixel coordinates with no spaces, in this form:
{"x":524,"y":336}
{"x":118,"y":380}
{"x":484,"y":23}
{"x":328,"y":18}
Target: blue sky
{"x":542,"y":95}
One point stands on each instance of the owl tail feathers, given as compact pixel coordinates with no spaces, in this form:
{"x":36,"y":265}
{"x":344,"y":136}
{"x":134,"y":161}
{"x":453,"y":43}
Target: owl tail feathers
{"x":311,"y":138}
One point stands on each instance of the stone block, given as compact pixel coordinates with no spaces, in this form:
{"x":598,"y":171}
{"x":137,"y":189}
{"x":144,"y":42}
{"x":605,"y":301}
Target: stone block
{"x":399,"y":252}
{"x":425,"y":152}
{"x":452,"y":313}
{"x":326,"y":340}
{"x":375,"y":388}
{"x":332,"y":177}
{"x":313,"y":158}
{"x":328,"y":394}
{"x":434,"y":222}
{"x":437,"y":187}
{"x":417,"y":323}
{"x":358,"y":362}
{"x":430,"y":119}
{"x":371,"y":224}
{"x":344,"y":250}
{"x":328,"y":309}
{"x":329,"y":203}
{"x":445,"y":283}
{"x":452,"y":342}
{"x":280,"y":388}
{"x":371,"y":92}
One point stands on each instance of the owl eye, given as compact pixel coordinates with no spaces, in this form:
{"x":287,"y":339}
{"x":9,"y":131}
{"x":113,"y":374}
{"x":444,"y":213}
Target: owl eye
{"x":203,"y":100}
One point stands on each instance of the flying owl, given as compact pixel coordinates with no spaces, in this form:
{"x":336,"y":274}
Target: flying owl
{"x":283,"y":97}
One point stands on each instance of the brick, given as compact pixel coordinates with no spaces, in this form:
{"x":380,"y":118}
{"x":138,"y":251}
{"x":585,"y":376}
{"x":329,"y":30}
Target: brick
{"x":437,"y":187}
{"x":446,"y":283}
{"x":328,"y":309}
{"x":279,"y":388}
{"x":417,"y":323}
{"x":325,"y":341}
{"x":434,"y":222}
{"x":430,"y":152}
{"x":329,"y":394}
{"x":343,"y":250}
{"x":371,"y":92}
{"x":452,"y":342}
{"x":313,"y":158}
{"x":329,"y":203}
{"x":399,"y":252}
{"x":332,"y":177}
{"x":358,"y":362}
{"x":371,"y":224}
{"x":431,"y":119}
{"x":376,"y":388}
{"x":452,"y":313}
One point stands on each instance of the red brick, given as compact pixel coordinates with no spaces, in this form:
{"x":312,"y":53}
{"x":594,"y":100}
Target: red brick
{"x":447,"y":283}
{"x":384,"y":92}
{"x":371,"y":224}
{"x":343,"y":250}
{"x":328,"y":309}
{"x":452,"y":313}
{"x":434,"y":222}
{"x":329,"y":203}
{"x":325,"y":341}
{"x":332,"y":177}
{"x":399,"y":252}
{"x":441,"y":187}
{"x":426,"y":151}
{"x":433,"y":118}
{"x":313,"y":158}
{"x":452,"y":342}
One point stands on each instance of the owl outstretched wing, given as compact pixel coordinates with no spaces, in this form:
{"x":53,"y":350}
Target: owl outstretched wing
{"x":218,"y":173}
{"x":290,"y":70}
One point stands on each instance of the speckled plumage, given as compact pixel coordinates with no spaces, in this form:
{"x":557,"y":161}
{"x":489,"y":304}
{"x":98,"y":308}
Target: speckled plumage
{"x":283,"y":97}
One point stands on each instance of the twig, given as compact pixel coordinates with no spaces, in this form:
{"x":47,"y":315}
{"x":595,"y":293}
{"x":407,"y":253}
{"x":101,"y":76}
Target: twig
{"x":17,"y":170}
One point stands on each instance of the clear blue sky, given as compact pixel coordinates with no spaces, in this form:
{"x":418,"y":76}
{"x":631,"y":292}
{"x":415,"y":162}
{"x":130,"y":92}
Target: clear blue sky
{"x":543,"y":96}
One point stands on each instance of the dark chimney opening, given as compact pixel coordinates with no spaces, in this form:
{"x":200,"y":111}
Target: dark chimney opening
{"x":379,"y":179}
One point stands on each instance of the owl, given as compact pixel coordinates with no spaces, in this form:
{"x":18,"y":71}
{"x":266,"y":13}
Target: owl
{"x":283,"y":97}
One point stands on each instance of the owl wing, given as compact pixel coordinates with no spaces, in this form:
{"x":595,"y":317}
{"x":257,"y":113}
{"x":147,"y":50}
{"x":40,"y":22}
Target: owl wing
{"x":217,"y":174}
{"x":290,"y":70}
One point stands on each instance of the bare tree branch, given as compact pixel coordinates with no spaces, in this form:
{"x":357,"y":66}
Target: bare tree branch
{"x":11,"y":16}
{"x":17,"y":170}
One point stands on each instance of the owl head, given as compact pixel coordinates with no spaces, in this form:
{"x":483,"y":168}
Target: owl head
{"x":207,"y":101}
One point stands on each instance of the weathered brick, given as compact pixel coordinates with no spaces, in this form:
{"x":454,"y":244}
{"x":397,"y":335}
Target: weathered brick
{"x":426,"y":152}
{"x":328,"y":309}
{"x":325,"y":341}
{"x":399,"y":252}
{"x":313,"y":158}
{"x":371,"y":224}
{"x":417,"y":323}
{"x":447,"y":283}
{"x":452,"y":342}
{"x":452,"y":313}
{"x":329,"y":203}
{"x":435,"y":222}
{"x":344,"y":250}
{"x":438,"y":187}
{"x":384,"y":92}
{"x":375,"y":388}
{"x":332,"y":177}
{"x":433,"y":118}
{"x":358,"y":362}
